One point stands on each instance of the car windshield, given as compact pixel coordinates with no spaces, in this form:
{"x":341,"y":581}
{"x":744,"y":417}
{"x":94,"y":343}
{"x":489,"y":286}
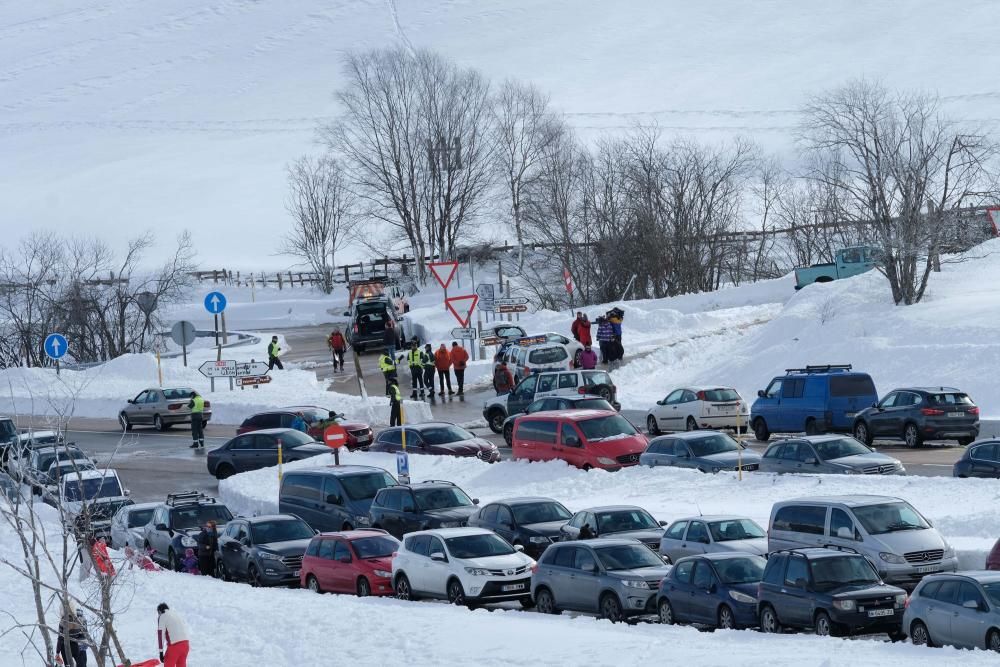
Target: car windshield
{"x":478,"y":546}
{"x":627,"y":557}
{"x":837,"y":571}
{"x":540,"y":513}
{"x":375,"y":547}
{"x":46,"y":459}
{"x":889,"y":518}
{"x":313,"y":415}
{"x":993,"y":592}
{"x":743,"y":570}
{"x":591,"y":378}
{"x":951,"y":399}
{"x":364,"y":487}
{"x":89,"y":489}
{"x":606,"y":428}
{"x":713,"y":444}
{"x":284,"y":530}
{"x":177,"y":394}
{"x":291,"y":439}
{"x":839,"y":448}
{"x":617,"y":521}
{"x":735,"y":529}
{"x":137,"y":518}
{"x":441,"y":498}
{"x":198,"y":515}
{"x":442,"y":435}
{"x":547,"y":355}
{"x":721,"y":395}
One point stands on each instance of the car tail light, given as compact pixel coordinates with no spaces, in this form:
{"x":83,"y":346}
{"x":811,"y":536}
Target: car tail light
{"x":534,"y":568}
{"x":527,"y":371}
{"x":355,"y":327}
{"x":175,"y":406}
{"x":906,"y":605}
{"x":974,"y":410}
{"x":395,"y":553}
{"x":581,"y":390}
{"x":931,"y":412}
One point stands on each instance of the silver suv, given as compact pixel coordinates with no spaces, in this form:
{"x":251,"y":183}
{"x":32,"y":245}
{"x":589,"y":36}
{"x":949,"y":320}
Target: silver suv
{"x":827,"y":454}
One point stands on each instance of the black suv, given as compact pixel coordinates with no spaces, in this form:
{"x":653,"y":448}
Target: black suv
{"x":410,"y":507}
{"x":915,"y":414}
{"x":834,"y":592}
{"x":533,"y":523}
{"x":176,"y":523}
{"x":263,"y":550}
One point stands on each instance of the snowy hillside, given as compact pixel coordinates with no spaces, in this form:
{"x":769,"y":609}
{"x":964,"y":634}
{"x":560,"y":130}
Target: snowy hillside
{"x":117,"y":114}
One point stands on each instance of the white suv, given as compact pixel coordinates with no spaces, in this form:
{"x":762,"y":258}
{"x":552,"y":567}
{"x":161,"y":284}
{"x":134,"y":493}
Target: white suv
{"x":462,"y":565}
{"x":692,"y":408}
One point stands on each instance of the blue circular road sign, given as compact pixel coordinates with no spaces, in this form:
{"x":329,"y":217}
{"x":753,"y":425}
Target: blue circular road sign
{"x":215,"y":302}
{"x":56,"y":346}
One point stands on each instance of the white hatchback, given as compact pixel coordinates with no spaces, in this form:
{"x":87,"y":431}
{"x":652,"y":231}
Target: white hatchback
{"x":467,"y":566}
{"x":692,"y":408}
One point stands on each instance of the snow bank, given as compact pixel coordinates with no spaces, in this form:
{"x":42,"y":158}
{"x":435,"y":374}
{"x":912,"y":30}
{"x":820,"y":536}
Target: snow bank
{"x":264,"y":309}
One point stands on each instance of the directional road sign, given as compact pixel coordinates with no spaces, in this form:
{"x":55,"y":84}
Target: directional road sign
{"x":510,"y":301}
{"x":253,"y":380}
{"x":511,"y":308}
{"x":465,"y":332}
{"x":182,"y":333}
{"x":56,"y":346}
{"x":466,"y":304}
{"x":215,"y":302}
{"x":232,"y":369}
{"x":491,"y":340}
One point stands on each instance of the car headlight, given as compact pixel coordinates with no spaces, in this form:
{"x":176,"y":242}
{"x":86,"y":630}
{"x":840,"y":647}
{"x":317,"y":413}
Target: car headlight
{"x":385,"y":574}
{"x":478,"y":571}
{"x":844,"y":605}
{"x":362,"y":520}
{"x":892,"y":558}
{"x":851,"y":471}
{"x":635,"y":583}
{"x":538,"y":539}
{"x":187,"y":542}
{"x":267,"y":555}
{"x":742,"y":597}
{"x":949,"y":551}
{"x":901,"y":600}
{"x":605,"y":461}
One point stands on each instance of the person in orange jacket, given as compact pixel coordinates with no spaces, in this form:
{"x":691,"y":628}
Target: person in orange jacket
{"x":442,"y":362}
{"x":102,"y":560}
{"x":338,"y":345}
{"x":459,"y":360}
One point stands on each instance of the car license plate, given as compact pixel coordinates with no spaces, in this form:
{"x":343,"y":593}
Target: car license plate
{"x":512,"y":587}
{"x":928,"y":568}
{"x":956,"y":414}
{"x":364,"y":438}
{"x":851,"y":414}
{"x":875,"y":613}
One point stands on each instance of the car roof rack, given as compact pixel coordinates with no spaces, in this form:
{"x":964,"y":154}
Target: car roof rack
{"x":188,"y":498}
{"x":825,"y":368}
{"x":437,"y":481}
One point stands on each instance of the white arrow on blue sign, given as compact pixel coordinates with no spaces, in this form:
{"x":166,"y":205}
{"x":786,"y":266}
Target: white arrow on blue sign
{"x":56,"y":346}
{"x":215,"y":302}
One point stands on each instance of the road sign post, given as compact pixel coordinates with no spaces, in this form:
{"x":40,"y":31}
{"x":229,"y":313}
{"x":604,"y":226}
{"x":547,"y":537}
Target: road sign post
{"x":215,"y":303}
{"x":335,"y":437}
{"x":56,"y":347}
{"x":183,"y":334}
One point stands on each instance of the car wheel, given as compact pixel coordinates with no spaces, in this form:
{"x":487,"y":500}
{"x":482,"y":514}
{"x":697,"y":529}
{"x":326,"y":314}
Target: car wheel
{"x":587,"y":467}
{"x":364,"y":588}
{"x":611,"y":608}
{"x":651,"y":426}
{"x":811,"y":428}
{"x":158,"y":423}
{"x":726,"y":619}
{"x":456,"y":594}
{"x":544,"y":602}
{"x":123,"y":420}
{"x":862,"y":434}
{"x":224,"y":471}
{"x":172,"y":563}
{"x":823,"y":625}
{"x":896,"y":636}
{"x":402,"y":588}
{"x":253,"y":577}
{"x":912,"y":437}
{"x":760,"y":430}
{"x":496,"y":420}
{"x":527,"y":602}
{"x":666,"y":612}
{"x":965,"y":442}
{"x":691,"y":424}
{"x":604,"y":392}
{"x":769,"y":620}
{"x":993,"y":640}
{"x":221,"y":572}
{"x":919,"y":635}
{"x":508,"y":434}
{"x":312,"y":583}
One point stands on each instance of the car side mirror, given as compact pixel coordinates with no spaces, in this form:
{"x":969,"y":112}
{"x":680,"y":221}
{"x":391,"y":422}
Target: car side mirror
{"x":760,"y":393}
{"x":475,"y":501}
{"x":845,"y":533}
{"x":518,"y":547}
{"x":811,"y":461}
{"x":800,"y":583}
{"x":572,"y":442}
{"x":334,"y":499}
{"x":971,"y":604}
{"x":245,"y":541}
{"x":874,"y":405}
{"x":438,"y":556}
{"x":128,"y":492}
{"x":345,"y":559}
{"x":660,"y":402}
{"x":409,"y":510}
{"x":130,"y":401}
{"x":662,"y":523}
{"x":712,"y":588}
{"x":161,"y":526}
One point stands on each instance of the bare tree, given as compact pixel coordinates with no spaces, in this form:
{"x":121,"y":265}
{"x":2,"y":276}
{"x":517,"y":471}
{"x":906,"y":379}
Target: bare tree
{"x":324,"y":214}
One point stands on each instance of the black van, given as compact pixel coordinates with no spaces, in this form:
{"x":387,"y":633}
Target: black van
{"x":332,"y":498}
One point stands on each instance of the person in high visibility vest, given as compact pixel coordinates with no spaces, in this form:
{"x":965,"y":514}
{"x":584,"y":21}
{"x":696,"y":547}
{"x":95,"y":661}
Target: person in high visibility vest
{"x":395,"y":403}
{"x":428,"y":362}
{"x":197,"y":407}
{"x":273,"y":351}
{"x":415,"y":361}
{"x":387,"y":365}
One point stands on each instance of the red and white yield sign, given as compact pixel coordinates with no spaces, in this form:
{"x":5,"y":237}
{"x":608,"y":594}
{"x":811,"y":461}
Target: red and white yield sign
{"x":461,"y":307}
{"x":440,"y":269}
{"x":335,"y":436}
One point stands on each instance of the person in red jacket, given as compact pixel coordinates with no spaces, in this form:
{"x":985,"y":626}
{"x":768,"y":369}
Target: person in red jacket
{"x":442,"y":362}
{"x":503,"y":381}
{"x":338,"y":345}
{"x":99,"y":552}
{"x":581,"y":329}
{"x":459,"y":360}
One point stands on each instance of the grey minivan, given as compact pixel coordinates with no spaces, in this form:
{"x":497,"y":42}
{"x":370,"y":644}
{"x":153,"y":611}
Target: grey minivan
{"x":707,"y":451}
{"x":901,"y":544}
{"x":332,"y":498}
{"x":615,"y":578}
{"x":828,"y":454}
{"x":712,"y":534}
{"x":960,"y":610}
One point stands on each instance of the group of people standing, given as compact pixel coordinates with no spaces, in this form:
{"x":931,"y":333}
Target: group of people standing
{"x":423,"y":364}
{"x":609,"y":339}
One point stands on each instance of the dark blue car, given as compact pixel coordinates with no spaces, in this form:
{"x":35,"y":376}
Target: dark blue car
{"x":718,"y":589}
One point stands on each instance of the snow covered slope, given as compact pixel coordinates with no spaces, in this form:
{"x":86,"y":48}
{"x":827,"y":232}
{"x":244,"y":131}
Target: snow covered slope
{"x":119,"y":114}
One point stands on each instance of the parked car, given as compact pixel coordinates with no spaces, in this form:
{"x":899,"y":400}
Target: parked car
{"x":465,"y":566}
{"x":915,"y":414}
{"x":263,"y":550}
{"x":177,"y":522}
{"x":368,"y":322}
{"x":31,"y":466}
{"x":332,"y":497}
{"x":578,"y":402}
{"x":8,"y":435}
{"x":354,"y":562}
{"x":406,"y":508}
{"x":814,"y":399}
{"x":616,"y":521}
{"x":707,"y":451}
{"x":828,"y":454}
{"x":128,"y":525}
{"x":888,"y":531}
{"x":583,"y":438}
{"x":57,"y":469}
{"x":833,"y":592}
{"x":993,"y":559}
{"x":160,"y":408}
{"x":534,"y":355}
{"x":616,"y":578}
{"x":88,"y":499}
{"x":503,"y":330}
{"x":30,"y":438}
{"x":259,"y":449}
{"x":532,"y":523}
{"x":712,"y":534}
{"x":848,"y":262}
{"x":573,"y":347}
{"x":691,"y":408}
{"x":718,"y":589}
{"x":436,"y":438}
{"x":980,"y":459}
{"x":359,"y":434}
{"x":961,"y":610}
{"x":545,"y":385}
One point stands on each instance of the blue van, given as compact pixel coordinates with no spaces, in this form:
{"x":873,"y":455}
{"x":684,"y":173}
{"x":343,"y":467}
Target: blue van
{"x":814,"y":399}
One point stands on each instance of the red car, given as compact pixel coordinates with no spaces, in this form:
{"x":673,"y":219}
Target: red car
{"x":352,"y":561}
{"x":993,"y":560}
{"x":359,"y":434}
{"x":582,"y":438}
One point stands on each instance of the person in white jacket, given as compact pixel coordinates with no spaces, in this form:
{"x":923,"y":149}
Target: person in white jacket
{"x":172,"y":632}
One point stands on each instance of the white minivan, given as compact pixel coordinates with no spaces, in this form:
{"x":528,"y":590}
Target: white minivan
{"x":901,"y":544}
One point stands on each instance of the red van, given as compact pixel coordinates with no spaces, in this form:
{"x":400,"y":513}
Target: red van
{"x":583,"y":438}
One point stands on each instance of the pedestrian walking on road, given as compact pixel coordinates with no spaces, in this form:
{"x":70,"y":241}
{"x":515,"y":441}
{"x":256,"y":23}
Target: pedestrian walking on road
{"x":459,"y":360}
{"x":395,"y":403}
{"x":197,"y":407}
{"x":588,"y":359}
{"x":387,"y":365}
{"x":415,"y":362}
{"x":442,"y":362}
{"x":338,"y":345}
{"x":428,"y":361}
{"x":273,"y":352}
{"x":503,"y":381}
{"x":389,"y":337}
{"x":604,"y":336}
{"x":172,"y":635}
